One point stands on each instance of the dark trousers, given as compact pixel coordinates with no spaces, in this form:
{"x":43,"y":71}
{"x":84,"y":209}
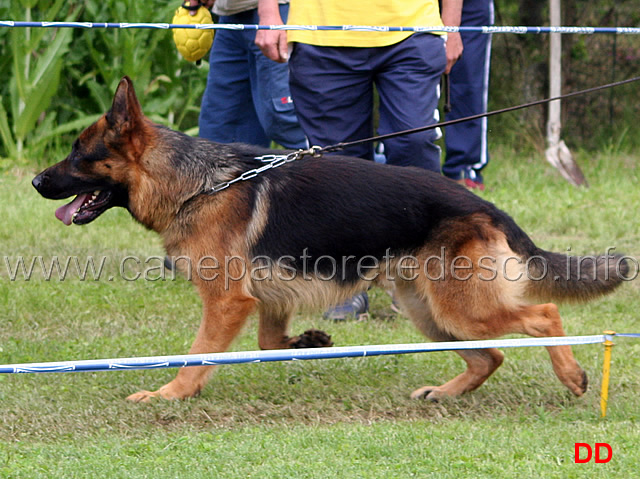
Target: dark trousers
{"x":333,"y":87}
{"x":466,"y":143}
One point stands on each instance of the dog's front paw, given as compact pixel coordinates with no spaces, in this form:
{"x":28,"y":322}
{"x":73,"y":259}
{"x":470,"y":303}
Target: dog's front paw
{"x":169,"y":391}
{"x":142,"y":396}
{"x":429,"y":393}
{"x":312,"y":338}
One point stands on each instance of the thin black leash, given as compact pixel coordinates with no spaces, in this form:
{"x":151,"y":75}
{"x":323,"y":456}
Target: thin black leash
{"x":274,"y":161}
{"x":342,"y":145}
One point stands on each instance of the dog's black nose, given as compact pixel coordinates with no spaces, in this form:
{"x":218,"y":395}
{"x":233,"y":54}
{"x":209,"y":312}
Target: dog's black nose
{"x":36,"y":182}
{"x":40,"y":182}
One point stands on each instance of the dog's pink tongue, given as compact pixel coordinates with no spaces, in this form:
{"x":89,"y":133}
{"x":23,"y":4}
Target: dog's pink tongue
{"x":65,"y":213}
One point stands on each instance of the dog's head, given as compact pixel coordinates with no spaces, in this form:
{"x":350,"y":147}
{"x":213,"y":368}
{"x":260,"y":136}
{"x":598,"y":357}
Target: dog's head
{"x":102,"y":161}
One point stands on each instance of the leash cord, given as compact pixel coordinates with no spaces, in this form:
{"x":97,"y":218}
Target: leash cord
{"x":274,"y":161}
{"x":342,"y":145}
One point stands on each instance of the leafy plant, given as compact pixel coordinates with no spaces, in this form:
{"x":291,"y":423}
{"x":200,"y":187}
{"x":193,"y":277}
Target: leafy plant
{"x":37,"y":62}
{"x":57,"y":81}
{"x":171,"y":87}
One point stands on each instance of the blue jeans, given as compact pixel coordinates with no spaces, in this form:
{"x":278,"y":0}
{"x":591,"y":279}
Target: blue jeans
{"x":333,"y":91}
{"x":247,"y":96}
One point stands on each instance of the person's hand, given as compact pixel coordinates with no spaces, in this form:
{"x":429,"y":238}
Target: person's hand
{"x":451,"y":13}
{"x":273,"y":44}
{"x":454,"y":49}
{"x":195,"y":3}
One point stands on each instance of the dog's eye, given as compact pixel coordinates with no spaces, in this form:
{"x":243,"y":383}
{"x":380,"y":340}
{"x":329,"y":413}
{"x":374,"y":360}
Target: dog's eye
{"x":75,"y":148}
{"x":88,"y":155}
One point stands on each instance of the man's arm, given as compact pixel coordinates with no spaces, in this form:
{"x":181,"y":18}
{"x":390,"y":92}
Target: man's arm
{"x":451,"y":14}
{"x":273,"y":43}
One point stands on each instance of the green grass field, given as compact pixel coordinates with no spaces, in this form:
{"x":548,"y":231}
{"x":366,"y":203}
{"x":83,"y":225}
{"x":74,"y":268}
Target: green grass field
{"x":310,"y":419}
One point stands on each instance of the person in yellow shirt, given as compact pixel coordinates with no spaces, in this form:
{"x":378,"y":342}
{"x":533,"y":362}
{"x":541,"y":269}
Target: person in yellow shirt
{"x":332,"y":75}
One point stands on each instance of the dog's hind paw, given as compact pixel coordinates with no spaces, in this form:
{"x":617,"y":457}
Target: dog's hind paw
{"x":312,"y":338}
{"x":577,"y":383}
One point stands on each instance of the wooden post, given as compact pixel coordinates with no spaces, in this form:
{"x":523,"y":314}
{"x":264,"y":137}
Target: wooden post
{"x":554,"y":123}
{"x":558,"y":153}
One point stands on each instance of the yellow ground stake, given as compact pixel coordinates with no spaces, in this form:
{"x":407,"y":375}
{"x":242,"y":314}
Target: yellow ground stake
{"x":606,"y":368}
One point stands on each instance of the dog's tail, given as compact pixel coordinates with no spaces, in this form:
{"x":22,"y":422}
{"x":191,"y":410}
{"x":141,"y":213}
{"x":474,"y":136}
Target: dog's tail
{"x":560,"y":277}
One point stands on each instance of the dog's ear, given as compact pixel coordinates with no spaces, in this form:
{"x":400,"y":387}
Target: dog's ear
{"x":126,"y":113}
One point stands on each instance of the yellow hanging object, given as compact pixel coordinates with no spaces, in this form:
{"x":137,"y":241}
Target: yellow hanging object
{"x":193,"y":44}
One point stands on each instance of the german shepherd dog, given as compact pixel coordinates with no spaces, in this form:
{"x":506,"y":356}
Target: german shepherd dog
{"x":324,"y":229}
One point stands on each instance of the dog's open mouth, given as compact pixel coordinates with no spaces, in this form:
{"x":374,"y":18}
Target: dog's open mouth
{"x":85,"y":208}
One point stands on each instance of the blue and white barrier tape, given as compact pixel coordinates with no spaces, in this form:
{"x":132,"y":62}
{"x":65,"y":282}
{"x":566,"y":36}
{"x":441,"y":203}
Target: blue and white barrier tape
{"x":216,"y":359}
{"x":361,"y":28}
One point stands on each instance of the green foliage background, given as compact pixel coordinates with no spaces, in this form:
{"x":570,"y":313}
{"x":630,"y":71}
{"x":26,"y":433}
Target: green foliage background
{"x":54,"y":82}
{"x":520,"y":74}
